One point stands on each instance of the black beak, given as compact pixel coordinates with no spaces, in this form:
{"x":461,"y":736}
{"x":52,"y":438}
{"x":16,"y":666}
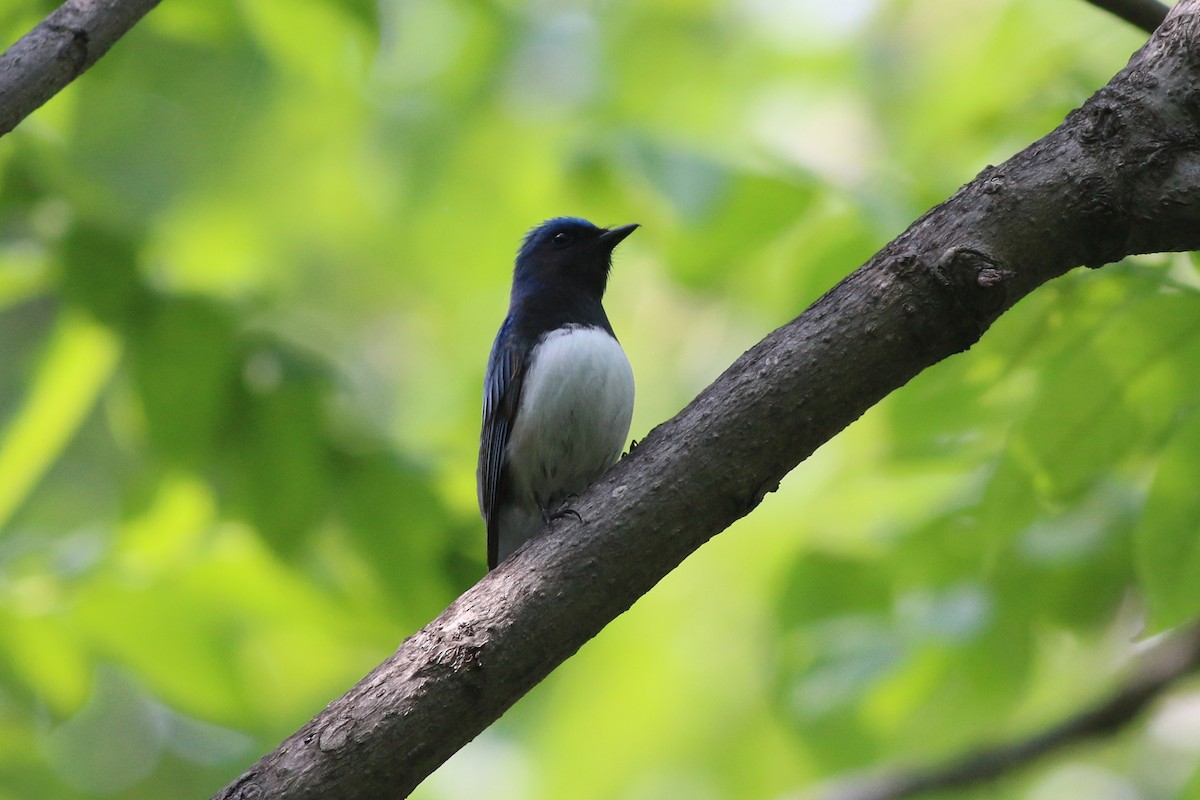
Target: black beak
{"x":613,"y":236}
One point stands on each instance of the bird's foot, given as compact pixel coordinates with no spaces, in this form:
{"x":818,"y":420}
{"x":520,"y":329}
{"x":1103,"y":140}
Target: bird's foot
{"x":563,"y":510}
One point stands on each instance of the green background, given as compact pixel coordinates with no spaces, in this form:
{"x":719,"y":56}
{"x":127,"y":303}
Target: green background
{"x":250,"y":269}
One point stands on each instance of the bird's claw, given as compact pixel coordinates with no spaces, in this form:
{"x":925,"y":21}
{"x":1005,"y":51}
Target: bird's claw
{"x":562,"y":511}
{"x":566,"y":512}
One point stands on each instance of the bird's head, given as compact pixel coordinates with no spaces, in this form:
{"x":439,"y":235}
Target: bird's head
{"x":570,"y":252}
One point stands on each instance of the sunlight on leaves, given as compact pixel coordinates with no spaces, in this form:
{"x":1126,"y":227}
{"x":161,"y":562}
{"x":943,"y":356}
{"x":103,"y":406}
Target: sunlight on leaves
{"x":77,"y":364}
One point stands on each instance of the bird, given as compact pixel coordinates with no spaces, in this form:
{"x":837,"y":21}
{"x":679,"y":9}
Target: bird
{"x":558,"y":391}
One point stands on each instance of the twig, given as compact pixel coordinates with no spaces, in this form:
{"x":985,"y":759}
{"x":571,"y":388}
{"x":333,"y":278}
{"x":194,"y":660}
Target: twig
{"x":59,"y":50}
{"x":1145,"y":14}
{"x":1159,"y":671}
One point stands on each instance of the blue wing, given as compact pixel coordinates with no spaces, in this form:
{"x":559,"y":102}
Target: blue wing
{"x":501,"y":396}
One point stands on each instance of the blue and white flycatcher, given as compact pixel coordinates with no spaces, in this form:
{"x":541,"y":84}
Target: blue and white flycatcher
{"x":558,"y":395}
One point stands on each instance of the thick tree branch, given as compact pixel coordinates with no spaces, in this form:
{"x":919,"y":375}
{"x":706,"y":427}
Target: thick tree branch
{"x":1121,"y":175}
{"x":59,"y":50}
{"x":1145,"y":14}
{"x":1161,"y":669}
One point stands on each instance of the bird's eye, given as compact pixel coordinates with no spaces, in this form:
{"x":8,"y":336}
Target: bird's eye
{"x":561,"y":238}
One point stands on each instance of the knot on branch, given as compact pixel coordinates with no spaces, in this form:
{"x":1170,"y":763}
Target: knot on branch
{"x":977,"y":281}
{"x":1101,"y":124}
{"x":335,"y":733}
{"x":994,"y":183}
{"x":243,"y":789}
{"x":456,"y":651}
{"x":974,"y":290}
{"x":75,"y":48}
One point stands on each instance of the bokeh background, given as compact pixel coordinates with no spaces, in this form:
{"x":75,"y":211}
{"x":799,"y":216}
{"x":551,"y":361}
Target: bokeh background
{"x":250,"y":269}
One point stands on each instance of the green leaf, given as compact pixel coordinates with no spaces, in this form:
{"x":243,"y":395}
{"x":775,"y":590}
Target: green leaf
{"x":1075,"y":567}
{"x":1102,"y":406}
{"x":821,"y":586}
{"x":100,"y":272}
{"x":114,"y":741}
{"x":76,"y":366}
{"x":278,"y":439}
{"x":400,"y":525}
{"x":1167,"y":538}
{"x":181,"y":359}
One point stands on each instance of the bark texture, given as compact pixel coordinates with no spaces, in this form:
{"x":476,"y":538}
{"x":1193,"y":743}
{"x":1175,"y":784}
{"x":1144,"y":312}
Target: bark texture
{"x":59,"y":50}
{"x":1120,"y":176}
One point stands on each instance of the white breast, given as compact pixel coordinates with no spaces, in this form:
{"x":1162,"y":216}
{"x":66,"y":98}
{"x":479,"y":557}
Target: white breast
{"x":573,"y":420}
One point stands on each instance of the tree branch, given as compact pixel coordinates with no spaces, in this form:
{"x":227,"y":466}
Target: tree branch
{"x":1161,"y":669}
{"x":1121,"y":175}
{"x":60,"y":49}
{"x":1145,"y":14}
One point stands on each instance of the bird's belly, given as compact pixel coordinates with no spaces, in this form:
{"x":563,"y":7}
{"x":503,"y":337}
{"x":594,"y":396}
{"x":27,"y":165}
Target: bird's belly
{"x":574,"y":416}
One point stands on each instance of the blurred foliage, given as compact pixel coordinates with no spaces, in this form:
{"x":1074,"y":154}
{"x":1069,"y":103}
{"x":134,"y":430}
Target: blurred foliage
{"x":250,"y":268}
